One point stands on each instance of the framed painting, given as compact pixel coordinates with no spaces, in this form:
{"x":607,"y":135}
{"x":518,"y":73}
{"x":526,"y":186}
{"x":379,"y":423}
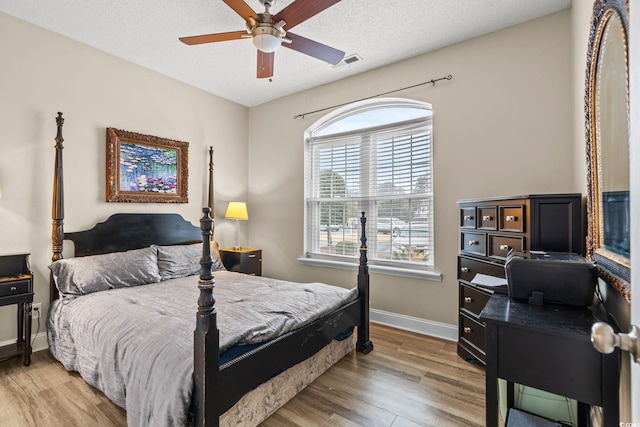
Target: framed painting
{"x":145,"y":168}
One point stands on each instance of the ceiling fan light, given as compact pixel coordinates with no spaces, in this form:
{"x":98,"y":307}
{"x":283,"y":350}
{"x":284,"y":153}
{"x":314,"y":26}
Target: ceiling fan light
{"x":266,"y":39}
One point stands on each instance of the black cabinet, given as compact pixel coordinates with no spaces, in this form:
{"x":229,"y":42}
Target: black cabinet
{"x":244,"y":260}
{"x":489,"y":229}
{"x":549,"y":348}
{"x":16,"y":287}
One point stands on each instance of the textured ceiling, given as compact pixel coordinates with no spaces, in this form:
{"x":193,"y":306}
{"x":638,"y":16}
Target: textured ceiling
{"x":146,"y":32}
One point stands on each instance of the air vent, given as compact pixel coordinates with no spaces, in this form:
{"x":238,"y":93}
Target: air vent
{"x":351,"y":59}
{"x":348,"y":60}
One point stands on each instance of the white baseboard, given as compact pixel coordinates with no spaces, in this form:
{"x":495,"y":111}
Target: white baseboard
{"x":415,"y":324}
{"x":39,"y":341}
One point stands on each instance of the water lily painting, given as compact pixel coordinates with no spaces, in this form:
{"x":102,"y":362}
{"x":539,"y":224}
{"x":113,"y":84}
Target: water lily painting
{"x":144,"y":168}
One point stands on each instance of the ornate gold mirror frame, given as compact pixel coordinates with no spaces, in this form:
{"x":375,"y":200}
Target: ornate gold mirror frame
{"x":607,"y":137}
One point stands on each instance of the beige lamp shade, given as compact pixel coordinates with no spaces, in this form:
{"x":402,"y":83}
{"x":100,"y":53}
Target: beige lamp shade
{"x":237,"y":210}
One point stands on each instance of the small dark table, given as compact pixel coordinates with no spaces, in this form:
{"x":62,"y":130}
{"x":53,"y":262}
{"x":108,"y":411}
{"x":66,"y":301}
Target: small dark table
{"x":549,"y":348}
{"x":16,"y":287}
{"x":243,"y":260}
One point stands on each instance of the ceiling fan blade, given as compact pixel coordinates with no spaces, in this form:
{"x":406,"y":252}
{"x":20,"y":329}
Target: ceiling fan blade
{"x":315,"y":49}
{"x":242,"y":9}
{"x":265,"y":64}
{"x":210,"y":38}
{"x":301,"y":10}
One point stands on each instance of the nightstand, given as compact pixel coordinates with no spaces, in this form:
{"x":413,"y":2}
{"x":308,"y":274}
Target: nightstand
{"x":243,"y":260}
{"x":16,"y":287}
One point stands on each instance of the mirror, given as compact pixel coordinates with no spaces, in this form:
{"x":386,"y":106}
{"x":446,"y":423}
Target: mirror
{"x":607,"y":120}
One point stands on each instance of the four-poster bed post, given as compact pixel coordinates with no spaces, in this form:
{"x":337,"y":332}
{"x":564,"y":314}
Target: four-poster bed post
{"x":57,"y":206}
{"x":210,"y":199}
{"x":206,"y":337}
{"x":364,"y":344}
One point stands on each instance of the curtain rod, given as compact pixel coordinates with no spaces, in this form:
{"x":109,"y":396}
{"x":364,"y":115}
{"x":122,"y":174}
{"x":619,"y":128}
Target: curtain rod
{"x":432,"y":81}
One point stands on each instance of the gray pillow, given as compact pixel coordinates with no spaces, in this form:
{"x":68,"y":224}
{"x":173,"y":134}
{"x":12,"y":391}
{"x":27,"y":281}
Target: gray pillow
{"x":184,"y":260}
{"x":83,"y":275}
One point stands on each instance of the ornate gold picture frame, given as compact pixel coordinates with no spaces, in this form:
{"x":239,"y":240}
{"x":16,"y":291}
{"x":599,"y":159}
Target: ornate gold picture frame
{"x":145,"y":168}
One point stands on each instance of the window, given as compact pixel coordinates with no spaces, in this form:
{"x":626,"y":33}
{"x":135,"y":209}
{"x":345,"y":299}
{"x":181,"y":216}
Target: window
{"x":373,"y":157}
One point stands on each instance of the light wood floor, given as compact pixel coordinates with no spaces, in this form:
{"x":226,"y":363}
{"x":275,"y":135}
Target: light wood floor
{"x":409,"y":380}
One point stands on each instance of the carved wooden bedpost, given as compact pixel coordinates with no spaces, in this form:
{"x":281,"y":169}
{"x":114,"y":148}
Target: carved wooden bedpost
{"x":57,"y":206}
{"x":210,"y":201}
{"x":206,"y":337}
{"x":363,"y":344}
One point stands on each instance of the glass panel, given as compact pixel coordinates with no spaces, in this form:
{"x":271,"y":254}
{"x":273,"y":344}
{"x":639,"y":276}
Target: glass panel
{"x":377,"y":117}
{"x":612,"y":137}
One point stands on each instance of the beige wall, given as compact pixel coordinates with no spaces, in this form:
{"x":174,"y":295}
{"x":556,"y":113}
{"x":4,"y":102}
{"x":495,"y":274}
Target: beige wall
{"x":43,"y":73}
{"x":502,"y":126}
{"x":580,"y":24}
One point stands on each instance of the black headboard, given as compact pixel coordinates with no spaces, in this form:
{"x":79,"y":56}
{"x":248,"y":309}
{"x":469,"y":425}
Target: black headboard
{"x":125,"y":231}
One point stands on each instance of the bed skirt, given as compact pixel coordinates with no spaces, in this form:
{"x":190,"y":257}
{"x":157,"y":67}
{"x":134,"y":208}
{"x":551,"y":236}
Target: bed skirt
{"x":260,"y":403}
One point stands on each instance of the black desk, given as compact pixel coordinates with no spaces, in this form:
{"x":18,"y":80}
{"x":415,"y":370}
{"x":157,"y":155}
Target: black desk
{"x":548,"y":348}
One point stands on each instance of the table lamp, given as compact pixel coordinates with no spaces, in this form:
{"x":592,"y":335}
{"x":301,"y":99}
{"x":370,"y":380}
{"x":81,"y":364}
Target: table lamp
{"x":237,"y":211}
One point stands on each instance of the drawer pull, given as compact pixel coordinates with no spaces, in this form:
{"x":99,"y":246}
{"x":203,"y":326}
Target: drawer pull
{"x":251,"y":256}
{"x":511,"y":218}
{"x":473,"y":242}
{"x":467,"y":330}
{"x":468,"y":299}
{"x":464,"y":269}
{"x":13,"y":288}
{"x":504,"y":247}
{"x":468,"y":217}
{"x":486,"y":218}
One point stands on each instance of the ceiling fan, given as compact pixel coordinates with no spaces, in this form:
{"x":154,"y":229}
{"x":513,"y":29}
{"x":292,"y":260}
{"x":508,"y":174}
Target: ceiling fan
{"x":268,"y":33}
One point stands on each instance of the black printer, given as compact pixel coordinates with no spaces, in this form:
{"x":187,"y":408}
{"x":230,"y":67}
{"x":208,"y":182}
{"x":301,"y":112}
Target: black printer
{"x":550,"y":278}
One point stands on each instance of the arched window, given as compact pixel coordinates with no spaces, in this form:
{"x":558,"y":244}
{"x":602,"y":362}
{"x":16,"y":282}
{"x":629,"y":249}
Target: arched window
{"x":372,"y":156}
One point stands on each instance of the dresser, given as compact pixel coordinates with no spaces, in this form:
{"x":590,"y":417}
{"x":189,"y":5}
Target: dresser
{"x":243,"y":260}
{"x":16,"y":287}
{"x":489,"y":229}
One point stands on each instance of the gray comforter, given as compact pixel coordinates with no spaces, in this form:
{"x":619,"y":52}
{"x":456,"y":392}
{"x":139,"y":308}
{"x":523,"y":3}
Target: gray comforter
{"x":136,"y":344}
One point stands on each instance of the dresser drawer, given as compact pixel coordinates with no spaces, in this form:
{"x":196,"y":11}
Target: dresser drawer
{"x":487,"y":218}
{"x":473,"y":243}
{"x":468,"y":217}
{"x":512,"y":218}
{"x":489,"y":229}
{"x":472,"y":332}
{"x":468,"y":268}
{"x":14,"y":288}
{"x":499,"y":246}
{"x":473,"y":299}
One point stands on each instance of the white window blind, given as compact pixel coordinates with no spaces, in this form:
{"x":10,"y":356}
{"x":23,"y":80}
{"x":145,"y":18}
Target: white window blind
{"x":382,"y":170}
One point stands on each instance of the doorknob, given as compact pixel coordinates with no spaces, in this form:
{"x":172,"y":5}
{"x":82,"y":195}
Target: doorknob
{"x":605,"y":340}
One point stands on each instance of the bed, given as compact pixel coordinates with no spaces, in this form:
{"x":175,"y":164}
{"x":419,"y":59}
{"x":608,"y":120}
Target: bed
{"x":122,"y":314}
